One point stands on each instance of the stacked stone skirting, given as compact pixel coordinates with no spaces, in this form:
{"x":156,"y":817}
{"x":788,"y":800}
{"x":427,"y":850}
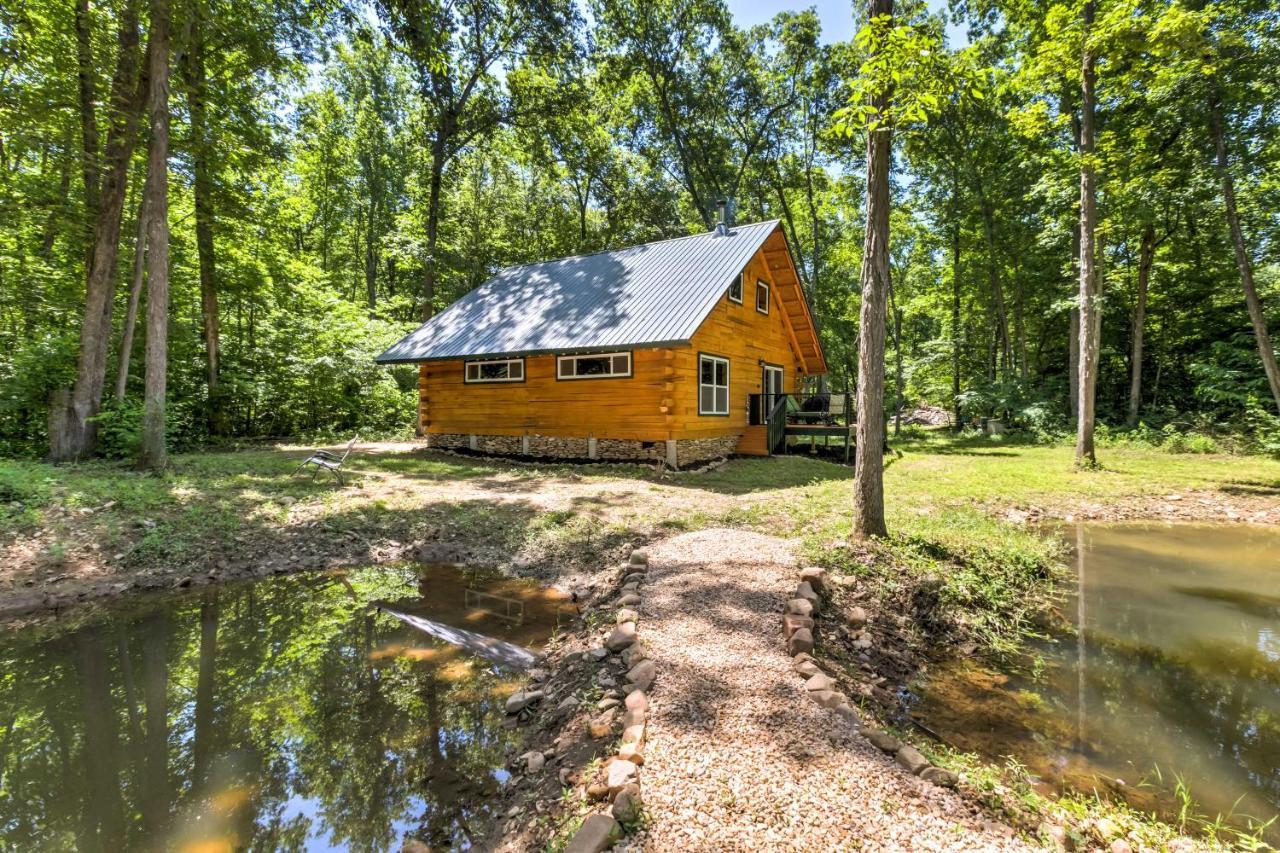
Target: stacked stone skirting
{"x":797,"y":628}
{"x":618,"y":783}
{"x":677,"y":453}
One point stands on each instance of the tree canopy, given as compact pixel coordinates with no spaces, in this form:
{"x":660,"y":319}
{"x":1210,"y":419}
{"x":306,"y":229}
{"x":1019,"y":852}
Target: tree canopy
{"x":337,"y":172}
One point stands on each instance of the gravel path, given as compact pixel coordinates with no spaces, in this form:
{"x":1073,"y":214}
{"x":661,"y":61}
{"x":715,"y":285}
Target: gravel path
{"x":738,"y":758}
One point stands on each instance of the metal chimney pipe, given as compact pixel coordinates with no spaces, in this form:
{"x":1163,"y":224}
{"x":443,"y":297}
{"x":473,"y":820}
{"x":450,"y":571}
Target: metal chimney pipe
{"x":722,"y":212}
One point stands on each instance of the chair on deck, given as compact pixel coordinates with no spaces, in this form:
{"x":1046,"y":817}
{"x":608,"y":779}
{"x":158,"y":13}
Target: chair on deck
{"x":327,"y":461}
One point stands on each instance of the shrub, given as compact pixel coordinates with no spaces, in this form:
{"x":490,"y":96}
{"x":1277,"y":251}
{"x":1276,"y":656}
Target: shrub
{"x":120,"y":429}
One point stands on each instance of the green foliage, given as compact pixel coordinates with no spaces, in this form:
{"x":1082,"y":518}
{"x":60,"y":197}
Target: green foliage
{"x":120,"y":429}
{"x":589,"y":131}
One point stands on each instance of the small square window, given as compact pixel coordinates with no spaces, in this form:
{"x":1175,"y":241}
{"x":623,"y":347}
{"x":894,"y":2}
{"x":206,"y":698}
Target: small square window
{"x":735,"y":289}
{"x":762,"y":297}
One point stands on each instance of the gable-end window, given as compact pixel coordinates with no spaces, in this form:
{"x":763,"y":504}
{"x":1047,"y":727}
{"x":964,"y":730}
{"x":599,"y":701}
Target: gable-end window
{"x":762,"y":297}
{"x":735,"y":289}
{"x":497,"y":370}
{"x":713,"y":385}
{"x":594,"y":366}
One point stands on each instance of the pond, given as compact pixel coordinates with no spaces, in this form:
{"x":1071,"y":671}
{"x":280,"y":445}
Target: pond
{"x":1166,"y":673}
{"x":279,"y":714}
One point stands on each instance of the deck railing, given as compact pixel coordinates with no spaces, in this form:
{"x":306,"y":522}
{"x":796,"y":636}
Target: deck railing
{"x":830,"y":409}
{"x":776,"y":419}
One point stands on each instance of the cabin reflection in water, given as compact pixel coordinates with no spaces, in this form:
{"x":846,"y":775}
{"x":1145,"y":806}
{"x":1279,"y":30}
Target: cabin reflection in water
{"x":278,"y":714}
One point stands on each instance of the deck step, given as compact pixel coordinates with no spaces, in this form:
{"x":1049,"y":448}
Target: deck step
{"x":754,"y":442}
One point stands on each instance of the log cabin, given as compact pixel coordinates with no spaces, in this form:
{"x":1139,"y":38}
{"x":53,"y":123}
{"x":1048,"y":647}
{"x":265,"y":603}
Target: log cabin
{"x":672,"y":351}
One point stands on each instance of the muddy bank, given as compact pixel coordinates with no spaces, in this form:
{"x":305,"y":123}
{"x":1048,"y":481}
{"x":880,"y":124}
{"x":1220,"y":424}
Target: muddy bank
{"x":1249,"y":505}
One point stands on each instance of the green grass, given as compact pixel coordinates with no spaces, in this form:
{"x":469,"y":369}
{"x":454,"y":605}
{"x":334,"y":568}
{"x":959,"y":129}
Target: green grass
{"x":946,"y":499}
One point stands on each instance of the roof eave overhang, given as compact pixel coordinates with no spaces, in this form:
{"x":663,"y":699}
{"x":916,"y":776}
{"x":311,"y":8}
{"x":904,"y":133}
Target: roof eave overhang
{"x":821,"y":366}
{"x":535,"y":352}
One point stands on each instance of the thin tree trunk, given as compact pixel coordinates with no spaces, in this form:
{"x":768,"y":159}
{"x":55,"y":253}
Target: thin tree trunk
{"x":1146,"y":255}
{"x":154,"y":454}
{"x":371,"y":261}
{"x":1066,"y":107}
{"x":868,"y":484}
{"x":955,"y":319}
{"x":1073,"y":360}
{"x":1089,"y":325}
{"x":88,"y":121}
{"x":433,"y":227}
{"x":997,"y":289}
{"x":72,"y":432}
{"x":1257,"y":316}
{"x":202,"y":184}
{"x":135,"y":294}
{"x":1019,"y":326}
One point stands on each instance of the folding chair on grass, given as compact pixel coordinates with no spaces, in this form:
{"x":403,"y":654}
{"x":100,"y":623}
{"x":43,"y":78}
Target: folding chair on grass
{"x":324,"y":460}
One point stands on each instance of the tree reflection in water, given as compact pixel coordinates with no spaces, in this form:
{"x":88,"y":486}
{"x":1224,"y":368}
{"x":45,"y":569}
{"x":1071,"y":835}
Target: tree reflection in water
{"x":1173,"y":673}
{"x":282,"y":714}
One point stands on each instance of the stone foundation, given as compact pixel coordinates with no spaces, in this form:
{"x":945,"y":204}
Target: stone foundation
{"x":691,"y":451}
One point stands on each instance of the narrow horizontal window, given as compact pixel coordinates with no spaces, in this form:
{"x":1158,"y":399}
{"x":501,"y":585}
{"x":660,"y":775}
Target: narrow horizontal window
{"x":735,"y":289}
{"x":500,"y":370}
{"x":762,"y":297}
{"x":594,"y":366}
{"x":713,"y":385}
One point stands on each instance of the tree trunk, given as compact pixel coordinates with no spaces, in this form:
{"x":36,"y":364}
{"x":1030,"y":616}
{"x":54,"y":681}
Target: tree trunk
{"x":88,"y":121}
{"x":1019,"y":326}
{"x":897,"y":359}
{"x":1256,"y":315}
{"x":135,"y":294}
{"x":433,"y":226}
{"x":868,"y":483}
{"x":997,"y":289}
{"x":371,"y":260}
{"x":1066,"y":107}
{"x":1089,"y":325}
{"x":1146,"y":255}
{"x":955,"y":319}
{"x":154,"y":454}
{"x":202,"y":184}
{"x":72,"y":432}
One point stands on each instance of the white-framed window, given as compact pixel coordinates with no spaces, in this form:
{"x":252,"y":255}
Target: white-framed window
{"x":495,"y":370}
{"x":736,"y":288}
{"x":762,"y":297}
{"x":713,"y":385}
{"x":594,"y":366}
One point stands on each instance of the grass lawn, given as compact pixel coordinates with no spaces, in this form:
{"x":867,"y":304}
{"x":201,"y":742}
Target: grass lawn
{"x":949,"y":508}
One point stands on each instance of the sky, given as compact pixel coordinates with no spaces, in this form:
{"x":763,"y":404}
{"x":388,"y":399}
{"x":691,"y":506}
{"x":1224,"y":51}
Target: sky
{"x":836,"y":16}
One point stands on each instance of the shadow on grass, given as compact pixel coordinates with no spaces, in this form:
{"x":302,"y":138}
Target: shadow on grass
{"x":1252,"y":488}
{"x":758,"y":474}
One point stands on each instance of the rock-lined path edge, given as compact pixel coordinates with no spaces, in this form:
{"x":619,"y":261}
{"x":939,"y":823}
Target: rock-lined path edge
{"x":737,"y":759}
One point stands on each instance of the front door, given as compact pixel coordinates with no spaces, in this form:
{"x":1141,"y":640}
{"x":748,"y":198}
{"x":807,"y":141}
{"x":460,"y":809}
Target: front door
{"x":771,"y":387}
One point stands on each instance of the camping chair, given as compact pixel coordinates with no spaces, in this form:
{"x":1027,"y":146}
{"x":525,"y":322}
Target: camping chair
{"x":327,"y":461}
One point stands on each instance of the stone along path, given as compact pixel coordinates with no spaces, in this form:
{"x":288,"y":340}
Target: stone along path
{"x":738,"y":758}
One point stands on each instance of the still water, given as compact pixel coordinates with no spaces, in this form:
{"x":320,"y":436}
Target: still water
{"x":1168,"y":668}
{"x":280,"y":714}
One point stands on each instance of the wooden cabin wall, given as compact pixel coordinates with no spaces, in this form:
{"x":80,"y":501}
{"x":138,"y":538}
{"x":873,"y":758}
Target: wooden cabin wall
{"x":621,"y":408}
{"x":746,"y":337}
